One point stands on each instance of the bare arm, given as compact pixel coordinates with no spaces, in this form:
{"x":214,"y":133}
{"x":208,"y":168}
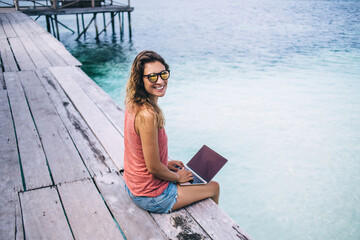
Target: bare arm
{"x":146,"y":127}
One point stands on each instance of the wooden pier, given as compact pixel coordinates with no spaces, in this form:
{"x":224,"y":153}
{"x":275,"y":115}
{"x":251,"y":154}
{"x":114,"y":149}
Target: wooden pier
{"x":61,"y":149}
{"x":52,"y":9}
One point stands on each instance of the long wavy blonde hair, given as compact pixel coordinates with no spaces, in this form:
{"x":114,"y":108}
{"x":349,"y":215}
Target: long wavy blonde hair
{"x":136,"y":95}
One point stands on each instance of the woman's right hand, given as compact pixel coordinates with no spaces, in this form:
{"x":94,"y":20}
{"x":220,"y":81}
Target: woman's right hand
{"x":184,"y":175}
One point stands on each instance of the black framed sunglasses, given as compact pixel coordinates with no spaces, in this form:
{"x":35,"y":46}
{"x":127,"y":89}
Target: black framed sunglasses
{"x":153,"y":77}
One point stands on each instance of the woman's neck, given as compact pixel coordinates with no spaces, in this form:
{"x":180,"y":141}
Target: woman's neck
{"x":154,"y":99}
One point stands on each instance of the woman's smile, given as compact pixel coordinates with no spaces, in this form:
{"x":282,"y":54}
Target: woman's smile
{"x":159,"y":88}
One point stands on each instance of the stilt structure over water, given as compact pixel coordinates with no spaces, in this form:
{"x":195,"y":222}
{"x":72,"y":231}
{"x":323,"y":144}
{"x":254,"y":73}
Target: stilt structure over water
{"x":51,"y":9}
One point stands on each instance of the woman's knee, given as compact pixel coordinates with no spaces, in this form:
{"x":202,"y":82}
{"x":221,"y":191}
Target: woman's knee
{"x":215,"y":186}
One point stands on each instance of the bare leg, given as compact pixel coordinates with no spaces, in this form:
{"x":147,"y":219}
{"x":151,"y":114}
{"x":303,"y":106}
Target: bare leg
{"x":194,"y":193}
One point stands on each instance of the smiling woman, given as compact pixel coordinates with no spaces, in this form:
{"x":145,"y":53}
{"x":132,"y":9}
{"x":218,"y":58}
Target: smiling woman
{"x":150,"y":178}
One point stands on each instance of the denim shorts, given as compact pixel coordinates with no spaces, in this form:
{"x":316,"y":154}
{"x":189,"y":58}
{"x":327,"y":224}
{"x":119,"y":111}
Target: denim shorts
{"x":160,"y":204}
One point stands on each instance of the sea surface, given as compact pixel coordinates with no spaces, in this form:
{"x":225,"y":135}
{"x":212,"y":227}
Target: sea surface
{"x":274,"y":86}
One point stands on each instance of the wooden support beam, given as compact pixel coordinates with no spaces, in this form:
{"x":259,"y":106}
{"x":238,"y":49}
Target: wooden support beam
{"x":119,"y":16}
{"x":57,"y":27}
{"x":129,"y":19}
{"x":77,"y":24}
{"x":16,"y":4}
{"x":84,"y":31}
{"x":48,"y":23}
{"x":55,"y":4}
{"x":112,"y":18}
{"x":63,"y":25}
{"x":104,"y":21}
{"x":112,"y":22}
{"x":122,"y":25}
{"x":96,"y":28}
{"x":83,"y":22}
{"x":52,"y":26}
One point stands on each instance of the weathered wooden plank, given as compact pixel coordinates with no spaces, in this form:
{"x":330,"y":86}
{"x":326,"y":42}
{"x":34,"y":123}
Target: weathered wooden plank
{"x":7,"y":212}
{"x":7,"y":57}
{"x":48,"y":52}
{"x":10,"y":175}
{"x":63,"y":159}
{"x":91,"y":151}
{"x":33,"y":160}
{"x":105,"y":103}
{"x":8,"y":29}
{"x":2,"y":81}
{"x":141,"y":224}
{"x":180,"y":225}
{"x":10,"y":166}
{"x":35,"y":54}
{"x":22,"y":57}
{"x":43,"y":215}
{"x":32,"y":27}
{"x":103,"y":129}
{"x":16,"y":25}
{"x":2,"y":32}
{"x":60,"y":50}
{"x":216,"y":222}
{"x":19,"y":231}
{"x":19,"y":18}
{"x":87,"y":213}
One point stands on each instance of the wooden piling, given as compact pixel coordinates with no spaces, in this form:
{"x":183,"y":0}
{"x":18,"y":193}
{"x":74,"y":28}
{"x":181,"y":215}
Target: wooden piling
{"x":112,"y":22}
{"x":52,"y":25}
{"x":120,"y":25}
{"x":104,"y":21}
{"x":47,"y":23}
{"x":96,"y":27}
{"x":129,"y":17}
{"x":57,"y":27}
{"x":83,"y":22}
{"x":77,"y":24}
{"x":85,"y":29}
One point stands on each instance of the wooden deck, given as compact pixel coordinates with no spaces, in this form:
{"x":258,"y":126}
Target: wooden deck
{"x":61,"y":149}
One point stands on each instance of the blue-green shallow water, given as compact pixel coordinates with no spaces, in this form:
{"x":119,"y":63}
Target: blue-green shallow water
{"x":273,"y":86}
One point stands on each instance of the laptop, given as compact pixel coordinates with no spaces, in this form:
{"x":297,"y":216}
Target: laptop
{"x":204,"y":165}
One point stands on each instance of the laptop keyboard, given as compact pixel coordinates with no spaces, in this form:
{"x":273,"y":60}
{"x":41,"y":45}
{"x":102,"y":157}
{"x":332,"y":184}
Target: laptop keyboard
{"x":196,"y":179}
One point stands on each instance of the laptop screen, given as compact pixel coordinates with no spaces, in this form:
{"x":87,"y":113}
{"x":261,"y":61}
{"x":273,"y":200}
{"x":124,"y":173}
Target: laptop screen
{"x":207,"y":163}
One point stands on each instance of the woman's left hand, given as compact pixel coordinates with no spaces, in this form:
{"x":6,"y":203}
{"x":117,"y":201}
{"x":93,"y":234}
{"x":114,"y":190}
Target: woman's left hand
{"x":174,"y":165}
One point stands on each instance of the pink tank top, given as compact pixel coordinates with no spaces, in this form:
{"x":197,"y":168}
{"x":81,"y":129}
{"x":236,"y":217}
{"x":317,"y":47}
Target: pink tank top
{"x":137,"y":178}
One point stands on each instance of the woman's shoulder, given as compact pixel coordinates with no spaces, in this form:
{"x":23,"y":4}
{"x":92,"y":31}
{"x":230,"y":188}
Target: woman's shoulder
{"x":145,"y":116}
{"x":146,"y":113}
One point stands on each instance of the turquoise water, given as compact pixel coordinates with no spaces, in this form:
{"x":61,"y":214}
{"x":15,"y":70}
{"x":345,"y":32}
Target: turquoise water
{"x":273,"y":86}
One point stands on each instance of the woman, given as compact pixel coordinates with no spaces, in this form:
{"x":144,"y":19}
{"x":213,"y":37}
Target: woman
{"x":150,"y":178}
